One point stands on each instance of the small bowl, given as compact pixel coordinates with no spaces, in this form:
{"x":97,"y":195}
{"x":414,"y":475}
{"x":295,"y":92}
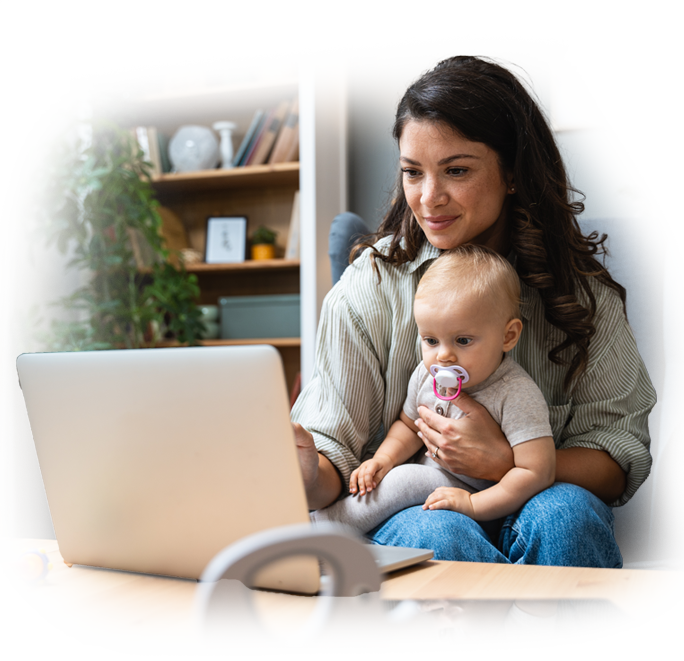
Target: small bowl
{"x":209,"y":312}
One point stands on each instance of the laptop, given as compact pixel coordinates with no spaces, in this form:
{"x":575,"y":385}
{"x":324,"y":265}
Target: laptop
{"x":154,"y":460}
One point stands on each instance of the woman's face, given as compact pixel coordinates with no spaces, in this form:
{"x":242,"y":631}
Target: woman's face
{"x":455,"y":187}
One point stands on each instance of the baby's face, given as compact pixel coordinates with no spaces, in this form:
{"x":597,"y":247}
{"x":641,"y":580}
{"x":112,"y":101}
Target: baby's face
{"x":464,"y":332}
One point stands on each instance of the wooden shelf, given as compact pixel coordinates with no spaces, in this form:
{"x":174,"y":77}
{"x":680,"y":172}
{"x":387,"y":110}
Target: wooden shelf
{"x":278,"y":342}
{"x":273,"y":341}
{"x":249,"y":265}
{"x":251,"y":176}
{"x":213,"y":100}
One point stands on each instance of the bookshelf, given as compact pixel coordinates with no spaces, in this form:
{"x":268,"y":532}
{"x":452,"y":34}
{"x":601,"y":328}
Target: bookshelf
{"x":263,"y":193}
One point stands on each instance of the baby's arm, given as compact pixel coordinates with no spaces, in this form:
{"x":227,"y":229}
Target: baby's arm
{"x":400,"y":444}
{"x":534,"y":471}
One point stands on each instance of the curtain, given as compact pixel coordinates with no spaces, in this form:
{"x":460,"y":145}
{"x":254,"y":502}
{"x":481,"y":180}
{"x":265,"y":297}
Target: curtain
{"x":10,"y":73}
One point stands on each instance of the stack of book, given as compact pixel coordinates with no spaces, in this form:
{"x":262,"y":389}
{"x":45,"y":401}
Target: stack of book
{"x":272,"y":137}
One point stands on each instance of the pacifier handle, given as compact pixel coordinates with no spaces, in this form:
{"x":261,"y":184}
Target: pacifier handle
{"x":452,"y":371}
{"x":447,"y":399}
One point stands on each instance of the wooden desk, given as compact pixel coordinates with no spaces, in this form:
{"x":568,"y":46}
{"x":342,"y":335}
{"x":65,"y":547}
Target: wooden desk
{"x":105,"y":604}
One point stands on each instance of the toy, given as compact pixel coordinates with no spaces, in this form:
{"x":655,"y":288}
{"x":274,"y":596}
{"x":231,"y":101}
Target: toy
{"x":448,"y":377}
{"x":31,"y":567}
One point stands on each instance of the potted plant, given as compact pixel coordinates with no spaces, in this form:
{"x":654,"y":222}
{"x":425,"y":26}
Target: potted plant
{"x":101,"y":209}
{"x":263,"y":243}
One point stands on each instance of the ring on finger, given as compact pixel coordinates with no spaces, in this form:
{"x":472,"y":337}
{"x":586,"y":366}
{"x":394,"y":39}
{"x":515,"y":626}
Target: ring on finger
{"x":434,"y":454}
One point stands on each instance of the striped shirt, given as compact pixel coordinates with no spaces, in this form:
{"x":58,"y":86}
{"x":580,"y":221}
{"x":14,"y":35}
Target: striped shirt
{"x":367,"y":346}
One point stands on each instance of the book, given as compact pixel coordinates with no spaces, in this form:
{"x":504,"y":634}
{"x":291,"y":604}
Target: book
{"x":155,"y":154}
{"x":292,"y":249}
{"x":288,"y":135}
{"x":246,"y":141}
{"x":269,"y":134}
{"x":258,"y":137}
{"x":164,"y":152}
{"x":144,"y":144}
{"x":293,"y":154}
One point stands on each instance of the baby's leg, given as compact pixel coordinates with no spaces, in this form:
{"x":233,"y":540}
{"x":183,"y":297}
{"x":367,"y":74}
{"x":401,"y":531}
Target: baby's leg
{"x":404,"y":486}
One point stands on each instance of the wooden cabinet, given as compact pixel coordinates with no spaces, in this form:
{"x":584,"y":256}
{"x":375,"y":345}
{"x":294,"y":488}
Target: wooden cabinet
{"x":264,"y":194}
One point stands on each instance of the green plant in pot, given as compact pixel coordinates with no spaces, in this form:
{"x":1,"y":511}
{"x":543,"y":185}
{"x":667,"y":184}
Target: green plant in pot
{"x":101,"y":206}
{"x":263,"y":243}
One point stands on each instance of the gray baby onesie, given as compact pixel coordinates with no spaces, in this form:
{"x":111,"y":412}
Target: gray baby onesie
{"x":512,"y":399}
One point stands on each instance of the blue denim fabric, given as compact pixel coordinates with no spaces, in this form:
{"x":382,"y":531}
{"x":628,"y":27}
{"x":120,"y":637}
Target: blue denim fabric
{"x":564,"y":525}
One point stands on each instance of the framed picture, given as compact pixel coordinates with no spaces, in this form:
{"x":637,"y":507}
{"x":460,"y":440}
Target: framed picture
{"x":580,"y":23}
{"x":226,"y":240}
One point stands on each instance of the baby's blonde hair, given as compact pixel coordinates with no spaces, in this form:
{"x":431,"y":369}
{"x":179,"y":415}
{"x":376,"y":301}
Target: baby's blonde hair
{"x":477,"y":271}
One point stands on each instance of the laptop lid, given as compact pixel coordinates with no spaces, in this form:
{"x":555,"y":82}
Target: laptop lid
{"x":154,"y":460}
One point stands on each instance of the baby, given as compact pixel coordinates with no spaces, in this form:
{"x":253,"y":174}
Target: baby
{"x":467,"y":311}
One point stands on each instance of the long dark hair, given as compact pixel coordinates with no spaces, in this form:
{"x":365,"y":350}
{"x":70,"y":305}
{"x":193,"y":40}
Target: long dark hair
{"x":484,"y":102}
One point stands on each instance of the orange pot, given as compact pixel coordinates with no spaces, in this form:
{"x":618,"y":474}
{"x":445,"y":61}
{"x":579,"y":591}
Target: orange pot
{"x":263,"y":251}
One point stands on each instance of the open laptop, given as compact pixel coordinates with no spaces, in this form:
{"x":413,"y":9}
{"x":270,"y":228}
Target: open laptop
{"x":154,"y":460}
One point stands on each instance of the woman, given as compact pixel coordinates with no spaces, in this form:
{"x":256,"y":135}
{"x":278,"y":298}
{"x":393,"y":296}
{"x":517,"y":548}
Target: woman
{"x":479,"y":164}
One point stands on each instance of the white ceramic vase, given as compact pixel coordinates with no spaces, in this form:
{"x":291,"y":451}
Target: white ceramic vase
{"x":225,"y":130}
{"x":194,"y":148}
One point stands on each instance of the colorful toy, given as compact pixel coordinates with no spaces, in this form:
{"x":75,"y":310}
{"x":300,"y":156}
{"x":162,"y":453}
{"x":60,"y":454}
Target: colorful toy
{"x":448,"y":377}
{"x":31,"y":567}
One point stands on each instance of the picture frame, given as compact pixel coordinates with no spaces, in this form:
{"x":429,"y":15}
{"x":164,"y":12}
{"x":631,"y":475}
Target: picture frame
{"x":579,"y":23}
{"x":226,"y":240}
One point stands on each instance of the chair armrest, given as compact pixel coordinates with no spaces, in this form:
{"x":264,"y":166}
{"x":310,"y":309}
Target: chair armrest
{"x":666,"y":538}
{"x":346,"y":230}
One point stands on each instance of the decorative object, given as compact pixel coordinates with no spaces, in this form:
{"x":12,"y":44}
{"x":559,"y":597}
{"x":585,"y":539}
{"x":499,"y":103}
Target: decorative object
{"x":194,"y":148}
{"x":191,"y":256}
{"x":263,"y":243}
{"x":209,"y":315}
{"x":642,"y":197}
{"x":99,"y":200}
{"x":572,"y":105}
{"x":226,"y":240}
{"x":278,"y":54}
{"x":225,"y":130}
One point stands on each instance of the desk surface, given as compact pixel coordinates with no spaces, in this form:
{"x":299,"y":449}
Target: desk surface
{"x":136,"y":602}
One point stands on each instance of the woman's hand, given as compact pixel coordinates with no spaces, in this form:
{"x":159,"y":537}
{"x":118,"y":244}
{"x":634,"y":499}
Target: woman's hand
{"x":473,"y":445}
{"x":321,"y":480}
{"x":308,"y":455}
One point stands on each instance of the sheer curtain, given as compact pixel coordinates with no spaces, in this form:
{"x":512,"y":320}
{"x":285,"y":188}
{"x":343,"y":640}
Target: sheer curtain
{"x":11,"y":75}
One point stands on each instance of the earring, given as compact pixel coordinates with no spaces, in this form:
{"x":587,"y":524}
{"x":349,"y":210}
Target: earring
{"x":512,"y":189}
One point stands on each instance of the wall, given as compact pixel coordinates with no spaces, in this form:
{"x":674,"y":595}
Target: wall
{"x":51,"y":53}
{"x":393,"y":41}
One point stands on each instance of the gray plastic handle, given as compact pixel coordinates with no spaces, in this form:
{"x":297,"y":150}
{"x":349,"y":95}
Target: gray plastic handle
{"x":348,"y":615}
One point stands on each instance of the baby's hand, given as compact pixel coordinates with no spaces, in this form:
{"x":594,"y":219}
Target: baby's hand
{"x":450,"y":498}
{"x":369,"y":474}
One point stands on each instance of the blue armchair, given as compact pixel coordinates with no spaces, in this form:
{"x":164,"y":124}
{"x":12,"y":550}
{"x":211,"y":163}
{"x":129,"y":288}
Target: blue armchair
{"x":644,"y":258}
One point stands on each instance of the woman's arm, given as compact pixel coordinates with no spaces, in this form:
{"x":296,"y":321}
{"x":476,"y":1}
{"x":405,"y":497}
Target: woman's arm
{"x":475,"y":445}
{"x":534,"y":471}
{"x":366,"y":351}
{"x":592,"y":469}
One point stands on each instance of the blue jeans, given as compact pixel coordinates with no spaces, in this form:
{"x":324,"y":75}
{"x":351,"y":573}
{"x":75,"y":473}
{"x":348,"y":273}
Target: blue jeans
{"x":564,"y":525}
